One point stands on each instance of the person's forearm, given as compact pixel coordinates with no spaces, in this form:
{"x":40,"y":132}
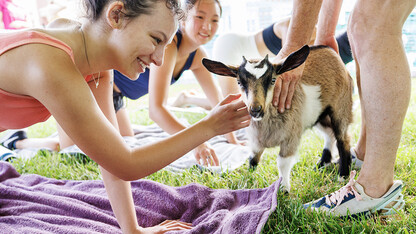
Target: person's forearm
{"x":120,"y":196}
{"x":166,"y":120}
{"x":328,"y":20}
{"x":304,"y":19}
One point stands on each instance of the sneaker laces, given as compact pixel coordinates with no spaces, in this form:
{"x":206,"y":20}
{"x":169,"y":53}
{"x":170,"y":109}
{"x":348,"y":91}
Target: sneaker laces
{"x":338,"y":196}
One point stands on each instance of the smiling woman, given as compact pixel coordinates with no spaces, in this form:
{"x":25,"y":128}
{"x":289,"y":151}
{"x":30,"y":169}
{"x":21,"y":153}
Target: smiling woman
{"x":55,"y":71}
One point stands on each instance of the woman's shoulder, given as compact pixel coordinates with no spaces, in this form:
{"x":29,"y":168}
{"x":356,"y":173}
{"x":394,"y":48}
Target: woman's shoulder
{"x":198,"y":55}
{"x":200,"y":52}
{"x":63,"y":23}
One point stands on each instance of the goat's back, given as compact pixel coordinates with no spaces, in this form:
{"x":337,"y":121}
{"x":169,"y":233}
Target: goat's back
{"x":325,"y":68}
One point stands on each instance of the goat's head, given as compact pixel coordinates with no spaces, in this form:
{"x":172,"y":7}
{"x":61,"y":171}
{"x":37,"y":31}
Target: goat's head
{"x":256,"y":78}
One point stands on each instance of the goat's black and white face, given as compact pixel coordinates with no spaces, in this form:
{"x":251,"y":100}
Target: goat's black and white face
{"x":257,"y":78}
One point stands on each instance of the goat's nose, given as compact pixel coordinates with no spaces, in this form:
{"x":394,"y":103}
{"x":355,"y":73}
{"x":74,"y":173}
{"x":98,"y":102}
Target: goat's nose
{"x":255,"y":109}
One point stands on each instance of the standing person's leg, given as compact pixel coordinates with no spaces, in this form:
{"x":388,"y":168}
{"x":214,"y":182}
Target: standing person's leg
{"x":358,"y":151}
{"x":376,"y":41}
{"x":375,"y":36}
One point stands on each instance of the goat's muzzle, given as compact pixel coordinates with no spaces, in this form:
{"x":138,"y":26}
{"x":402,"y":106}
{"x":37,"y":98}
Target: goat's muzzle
{"x":256,"y":111}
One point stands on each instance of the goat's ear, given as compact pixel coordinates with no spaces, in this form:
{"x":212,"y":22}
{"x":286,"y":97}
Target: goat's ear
{"x":219,"y":68}
{"x":294,"y":60}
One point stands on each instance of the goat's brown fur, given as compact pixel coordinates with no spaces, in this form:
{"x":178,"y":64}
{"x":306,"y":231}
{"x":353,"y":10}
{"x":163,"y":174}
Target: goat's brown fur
{"x":323,"y":69}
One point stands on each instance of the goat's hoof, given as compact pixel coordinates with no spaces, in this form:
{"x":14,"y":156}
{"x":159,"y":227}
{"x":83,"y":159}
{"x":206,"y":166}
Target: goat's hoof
{"x":284,"y":190}
{"x":342,"y":178}
{"x":318,"y":166}
{"x":253,"y":165}
{"x":321,"y":165}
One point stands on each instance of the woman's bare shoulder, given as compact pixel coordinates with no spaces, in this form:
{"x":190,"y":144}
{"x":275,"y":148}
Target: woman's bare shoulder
{"x":63,"y":23}
{"x":200,"y":53}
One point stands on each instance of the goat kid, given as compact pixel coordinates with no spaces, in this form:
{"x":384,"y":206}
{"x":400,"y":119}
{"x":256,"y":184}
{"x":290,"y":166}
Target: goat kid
{"x":322,"y":98}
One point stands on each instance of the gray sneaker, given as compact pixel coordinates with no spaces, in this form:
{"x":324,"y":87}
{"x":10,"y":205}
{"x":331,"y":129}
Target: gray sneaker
{"x":351,"y":201}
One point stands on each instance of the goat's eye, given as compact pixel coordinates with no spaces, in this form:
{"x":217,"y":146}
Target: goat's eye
{"x":273,"y":80}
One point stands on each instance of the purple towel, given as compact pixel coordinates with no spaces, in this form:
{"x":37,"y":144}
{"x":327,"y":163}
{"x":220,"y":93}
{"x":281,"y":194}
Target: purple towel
{"x":36,"y":204}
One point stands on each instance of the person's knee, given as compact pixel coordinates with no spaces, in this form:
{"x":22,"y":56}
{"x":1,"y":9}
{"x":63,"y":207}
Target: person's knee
{"x":376,"y":18}
{"x":371,"y":25}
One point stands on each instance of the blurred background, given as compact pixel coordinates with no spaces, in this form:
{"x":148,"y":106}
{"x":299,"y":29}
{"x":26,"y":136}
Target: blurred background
{"x":243,"y":16}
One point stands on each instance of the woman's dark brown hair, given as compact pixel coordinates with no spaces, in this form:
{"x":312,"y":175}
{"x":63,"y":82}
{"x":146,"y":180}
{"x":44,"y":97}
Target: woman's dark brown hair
{"x":133,"y":8}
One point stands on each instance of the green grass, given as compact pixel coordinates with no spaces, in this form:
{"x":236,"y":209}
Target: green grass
{"x":307,"y":184}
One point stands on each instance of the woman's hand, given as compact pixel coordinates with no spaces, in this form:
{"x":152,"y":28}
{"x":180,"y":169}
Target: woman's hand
{"x":166,"y":226}
{"x":205,"y":155}
{"x":229,"y":115}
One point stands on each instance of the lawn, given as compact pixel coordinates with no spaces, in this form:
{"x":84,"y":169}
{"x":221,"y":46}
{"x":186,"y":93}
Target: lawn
{"x":307,"y":184}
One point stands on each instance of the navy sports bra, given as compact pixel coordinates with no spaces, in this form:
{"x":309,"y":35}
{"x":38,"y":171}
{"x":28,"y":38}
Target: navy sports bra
{"x":274,"y":44}
{"x":134,"y":89}
{"x":344,"y":47}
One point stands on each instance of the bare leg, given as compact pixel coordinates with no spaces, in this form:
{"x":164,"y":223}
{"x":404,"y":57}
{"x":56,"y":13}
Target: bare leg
{"x":360,"y":147}
{"x":17,"y":139}
{"x":376,"y":42}
{"x":191,"y":98}
{"x":50,"y":143}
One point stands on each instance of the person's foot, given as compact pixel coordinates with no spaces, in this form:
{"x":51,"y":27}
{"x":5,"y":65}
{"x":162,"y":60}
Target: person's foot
{"x":11,"y":137}
{"x":6,"y":154}
{"x":180,"y":101}
{"x":351,"y":201}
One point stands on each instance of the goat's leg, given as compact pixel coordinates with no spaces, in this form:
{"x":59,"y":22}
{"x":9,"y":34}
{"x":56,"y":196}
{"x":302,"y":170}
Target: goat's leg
{"x":329,"y":152}
{"x":286,"y":160}
{"x":285,"y":165}
{"x":254,"y":161}
{"x":340,"y":128}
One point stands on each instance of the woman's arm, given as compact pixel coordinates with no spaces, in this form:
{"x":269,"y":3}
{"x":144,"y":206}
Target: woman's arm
{"x":63,"y":91}
{"x":118,"y":191}
{"x":207,"y":83}
{"x":159,"y":83}
{"x":205,"y":78}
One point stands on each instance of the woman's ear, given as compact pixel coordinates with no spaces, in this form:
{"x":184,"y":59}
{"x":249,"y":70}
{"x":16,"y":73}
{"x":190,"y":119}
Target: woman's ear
{"x":114,"y":14}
